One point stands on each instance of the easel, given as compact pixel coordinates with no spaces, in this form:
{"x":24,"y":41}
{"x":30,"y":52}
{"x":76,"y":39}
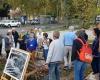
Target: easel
{"x":31,"y":69}
{"x":6,"y":77}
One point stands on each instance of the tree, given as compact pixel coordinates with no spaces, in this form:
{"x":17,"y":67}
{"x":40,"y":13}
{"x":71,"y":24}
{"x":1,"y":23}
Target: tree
{"x":4,"y":11}
{"x":84,"y":10}
{"x":78,"y":9}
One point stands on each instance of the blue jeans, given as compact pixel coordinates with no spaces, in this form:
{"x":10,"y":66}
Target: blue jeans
{"x":54,"y":71}
{"x":79,"y":70}
{"x":45,"y":53}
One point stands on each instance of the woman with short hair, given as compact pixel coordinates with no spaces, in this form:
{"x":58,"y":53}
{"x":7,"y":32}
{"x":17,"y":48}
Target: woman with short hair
{"x":31,"y":44}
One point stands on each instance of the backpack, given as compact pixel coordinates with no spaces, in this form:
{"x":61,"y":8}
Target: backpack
{"x":85,"y":53}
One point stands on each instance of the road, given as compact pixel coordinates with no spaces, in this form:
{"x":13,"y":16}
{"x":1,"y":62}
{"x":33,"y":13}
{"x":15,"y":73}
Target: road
{"x":4,"y":30}
{"x":28,"y":27}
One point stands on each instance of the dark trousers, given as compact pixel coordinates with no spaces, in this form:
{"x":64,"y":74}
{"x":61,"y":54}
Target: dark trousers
{"x":15,"y":44}
{"x":99,"y":63}
{"x":22,"y":45}
{"x":7,"y":51}
{"x":54,"y":71}
{"x":95,"y":65}
{"x":0,"y":49}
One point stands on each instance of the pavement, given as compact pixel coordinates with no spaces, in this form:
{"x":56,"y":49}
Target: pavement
{"x":90,"y":77}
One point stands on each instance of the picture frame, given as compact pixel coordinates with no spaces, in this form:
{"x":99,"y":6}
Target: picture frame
{"x":17,"y":64}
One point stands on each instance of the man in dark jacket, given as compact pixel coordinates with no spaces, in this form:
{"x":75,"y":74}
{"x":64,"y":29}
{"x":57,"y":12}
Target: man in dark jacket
{"x":96,"y":54}
{"x":16,"y":36}
{"x":79,"y":66}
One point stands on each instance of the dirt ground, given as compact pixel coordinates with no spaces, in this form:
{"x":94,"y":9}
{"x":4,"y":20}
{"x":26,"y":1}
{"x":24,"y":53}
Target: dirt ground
{"x":65,"y":74}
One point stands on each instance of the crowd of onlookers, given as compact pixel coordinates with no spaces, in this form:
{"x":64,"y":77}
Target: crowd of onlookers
{"x":57,"y":50}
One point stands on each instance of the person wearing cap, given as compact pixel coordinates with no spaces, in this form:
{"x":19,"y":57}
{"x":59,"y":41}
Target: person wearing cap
{"x":68,"y":39}
{"x":15,"y":35}
{"x":55,"y":57}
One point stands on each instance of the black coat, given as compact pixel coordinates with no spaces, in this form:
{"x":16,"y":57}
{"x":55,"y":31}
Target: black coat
{"x":77,"y":45}
{"x":96,"y":57}
{"x":95,"y":47}
{"x":16,"y":36}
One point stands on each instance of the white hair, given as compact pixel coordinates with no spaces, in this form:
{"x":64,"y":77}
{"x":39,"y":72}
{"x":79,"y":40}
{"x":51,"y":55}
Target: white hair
{"x":71,"y":28}
{"x":9,"y":30}
{"x":13,"y":28}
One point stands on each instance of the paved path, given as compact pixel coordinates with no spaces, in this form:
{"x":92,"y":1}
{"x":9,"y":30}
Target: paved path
{"x":90,"y":77}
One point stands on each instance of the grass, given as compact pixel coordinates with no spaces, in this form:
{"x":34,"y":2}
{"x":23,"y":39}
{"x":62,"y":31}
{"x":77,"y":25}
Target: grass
{"x":2,"y":65}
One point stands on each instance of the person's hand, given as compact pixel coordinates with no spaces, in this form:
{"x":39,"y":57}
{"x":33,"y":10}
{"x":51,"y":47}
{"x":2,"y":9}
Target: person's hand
{"x":46,"y":66}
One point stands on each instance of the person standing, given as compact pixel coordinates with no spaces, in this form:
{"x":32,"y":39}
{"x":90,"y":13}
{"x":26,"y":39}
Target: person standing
{"x":9,"y":40}
{"x":27,"y":36}
{"x":79,"y":66}
{"x":96,"y":53}
{"x":45,"y":44}
{"x":55,"y":57}
{"x":31,"y":45}
{"x":68,"y":39}
{"x":15,"y":35}
{"x":22,"y":40}
{"x":39,"y":35}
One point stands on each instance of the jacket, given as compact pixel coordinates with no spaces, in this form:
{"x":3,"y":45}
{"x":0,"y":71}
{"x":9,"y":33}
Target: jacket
{"x":95,"y":47}
{"x":56,"y":52}
{"x":15,"y":35}
{"x":31,"y":44}
{"x":77,"y":45}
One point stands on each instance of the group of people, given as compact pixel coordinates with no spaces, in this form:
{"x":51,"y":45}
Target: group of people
{"x":57,"y":50}
{"x":68,"y":50}
{"x":28,"y":40}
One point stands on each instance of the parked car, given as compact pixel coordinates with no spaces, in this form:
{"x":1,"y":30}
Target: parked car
{"x":35,"y":21}
{"x":10,"y":23}
{"x":28,"y":21}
